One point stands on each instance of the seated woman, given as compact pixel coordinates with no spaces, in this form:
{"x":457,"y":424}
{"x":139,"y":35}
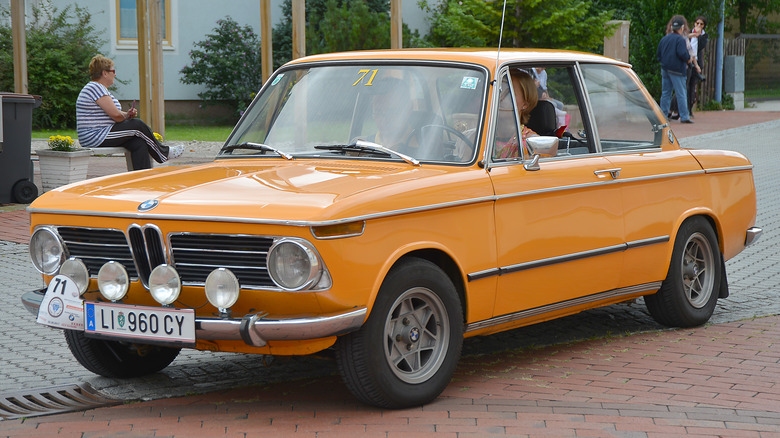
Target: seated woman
{"x":100,"y":120}
{"x":526,"y":97}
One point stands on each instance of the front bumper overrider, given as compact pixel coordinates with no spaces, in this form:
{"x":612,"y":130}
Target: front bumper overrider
{"x":256,"y":329}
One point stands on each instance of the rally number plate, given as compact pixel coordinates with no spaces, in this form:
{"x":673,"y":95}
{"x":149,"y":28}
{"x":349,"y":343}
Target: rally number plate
{"x":140,"y":323}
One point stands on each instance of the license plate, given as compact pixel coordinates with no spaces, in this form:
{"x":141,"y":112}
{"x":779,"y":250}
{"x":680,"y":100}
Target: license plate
{"x":140,"y":322}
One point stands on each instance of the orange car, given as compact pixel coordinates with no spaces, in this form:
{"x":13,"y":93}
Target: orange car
{"x":389,"y":204}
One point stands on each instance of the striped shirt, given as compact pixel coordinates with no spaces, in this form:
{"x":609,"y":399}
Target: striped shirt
{"x":92,"y":123}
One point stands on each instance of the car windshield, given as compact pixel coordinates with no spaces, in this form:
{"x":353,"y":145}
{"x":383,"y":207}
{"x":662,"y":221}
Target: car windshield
{"x":413,"y":113}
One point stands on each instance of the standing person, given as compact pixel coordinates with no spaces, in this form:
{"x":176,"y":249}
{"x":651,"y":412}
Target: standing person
{"x":699,"y":44}
{"x":673,"y":55}
{"x":100,"y":120}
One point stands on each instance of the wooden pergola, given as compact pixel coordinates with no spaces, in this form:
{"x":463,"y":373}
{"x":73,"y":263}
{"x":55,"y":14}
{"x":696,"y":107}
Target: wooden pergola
{"x":150,"y":61}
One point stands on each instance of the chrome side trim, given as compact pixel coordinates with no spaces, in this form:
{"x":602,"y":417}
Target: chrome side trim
{"x":484,"y":274}
{"x":752,"y":234}
{"x":729,"y":169}
{"x":644,"y":242}
{"x":256,"y":329}
{"x":565,"y":258}
{"x":531,"y":313}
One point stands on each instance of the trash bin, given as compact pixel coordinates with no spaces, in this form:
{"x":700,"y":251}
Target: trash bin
{"x":16,"y":168}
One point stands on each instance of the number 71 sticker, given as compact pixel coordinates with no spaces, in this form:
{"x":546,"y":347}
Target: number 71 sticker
{"x":61,"y":306}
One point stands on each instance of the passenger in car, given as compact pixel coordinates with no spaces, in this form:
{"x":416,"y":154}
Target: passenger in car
{"x":526,"y":98}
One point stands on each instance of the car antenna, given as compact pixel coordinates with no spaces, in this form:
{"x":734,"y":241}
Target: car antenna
{"x":500,"y":36}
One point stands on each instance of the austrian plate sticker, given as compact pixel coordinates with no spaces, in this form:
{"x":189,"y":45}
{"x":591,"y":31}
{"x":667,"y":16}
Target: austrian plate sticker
{"x":469,"y":83}
{"x":61,"y":306}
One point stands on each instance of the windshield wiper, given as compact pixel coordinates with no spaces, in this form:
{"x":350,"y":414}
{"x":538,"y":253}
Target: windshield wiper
{"x":367,"y":146}
{"x":257,"y":147}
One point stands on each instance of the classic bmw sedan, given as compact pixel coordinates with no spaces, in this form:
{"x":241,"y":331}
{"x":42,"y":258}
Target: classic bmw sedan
{"x":388,"y":204}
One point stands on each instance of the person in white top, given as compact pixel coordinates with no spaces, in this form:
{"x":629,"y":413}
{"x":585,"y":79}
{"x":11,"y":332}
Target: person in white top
{"x":100,"y":120}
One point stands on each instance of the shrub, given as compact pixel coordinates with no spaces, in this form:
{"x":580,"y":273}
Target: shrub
{"x":60,"y":45}
{"x":227,"y":63}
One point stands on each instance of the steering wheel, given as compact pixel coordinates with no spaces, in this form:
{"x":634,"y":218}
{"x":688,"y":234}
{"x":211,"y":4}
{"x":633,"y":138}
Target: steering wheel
{"x":417,"y":134}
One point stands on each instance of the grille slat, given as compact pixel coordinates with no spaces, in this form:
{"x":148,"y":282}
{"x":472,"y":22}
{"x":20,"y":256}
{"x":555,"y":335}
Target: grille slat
{"x":196,"y":255}
{"x":96,"y":246}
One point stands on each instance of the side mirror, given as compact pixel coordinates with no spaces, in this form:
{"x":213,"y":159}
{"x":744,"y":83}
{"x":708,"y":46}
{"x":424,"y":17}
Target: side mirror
{"x":545,"y":147}
{"x":540,"y":147}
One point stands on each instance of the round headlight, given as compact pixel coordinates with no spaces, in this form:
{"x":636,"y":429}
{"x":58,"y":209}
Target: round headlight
{"x":222,"y":288}
{"x":113,"y":281}
{"x":46,"y":251}
{"x":164,"y":284}
{"x":293,"y":265}
{"x":77,"y":272}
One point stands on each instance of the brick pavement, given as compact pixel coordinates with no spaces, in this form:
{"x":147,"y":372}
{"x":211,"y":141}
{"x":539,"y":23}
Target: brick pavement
{"x":592,"y":380}
{"x":718,"y":380}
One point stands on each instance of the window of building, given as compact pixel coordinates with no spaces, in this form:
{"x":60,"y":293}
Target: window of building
{"x":127,"y":22}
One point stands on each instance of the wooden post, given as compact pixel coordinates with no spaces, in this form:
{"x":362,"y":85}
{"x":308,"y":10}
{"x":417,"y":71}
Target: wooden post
{"x":298,"y":28}
{"x":144,"y":107}
{"x":19,"y":37}
{"x":156,"y":64}
{"x":396,"y":25}
{"x":266,"y":45}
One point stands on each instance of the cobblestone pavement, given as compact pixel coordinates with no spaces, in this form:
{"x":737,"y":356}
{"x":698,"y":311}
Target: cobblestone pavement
{"x":35,"y":356}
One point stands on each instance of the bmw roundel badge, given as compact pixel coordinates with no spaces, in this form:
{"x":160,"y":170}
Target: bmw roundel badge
{"x":148,"y":205}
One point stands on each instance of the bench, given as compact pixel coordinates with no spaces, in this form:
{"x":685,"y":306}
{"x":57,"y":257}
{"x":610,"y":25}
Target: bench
{"x":112,"y":151}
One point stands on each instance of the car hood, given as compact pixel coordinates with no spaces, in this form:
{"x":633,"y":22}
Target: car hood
{"x":275,"y":190}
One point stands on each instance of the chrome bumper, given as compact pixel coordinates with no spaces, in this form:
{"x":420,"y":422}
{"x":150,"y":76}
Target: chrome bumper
{"x":257,"y":329}
{"x":752,"y":234}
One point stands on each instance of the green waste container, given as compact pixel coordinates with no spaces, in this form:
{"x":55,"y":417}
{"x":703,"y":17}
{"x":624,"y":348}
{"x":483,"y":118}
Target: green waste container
{"x":16,"y":167}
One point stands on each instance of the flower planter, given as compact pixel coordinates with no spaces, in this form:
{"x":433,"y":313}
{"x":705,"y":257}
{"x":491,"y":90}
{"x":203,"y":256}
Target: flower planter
{"x":59,"y":168}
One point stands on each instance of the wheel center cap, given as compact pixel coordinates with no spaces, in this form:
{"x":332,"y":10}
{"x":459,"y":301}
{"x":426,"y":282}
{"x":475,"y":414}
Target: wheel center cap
{"x":414,"y":334}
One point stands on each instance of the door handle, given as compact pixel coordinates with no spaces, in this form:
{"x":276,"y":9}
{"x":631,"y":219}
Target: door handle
{"x":614,"y":173}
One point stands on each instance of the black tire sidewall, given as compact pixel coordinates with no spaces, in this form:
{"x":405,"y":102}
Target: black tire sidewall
{"x":669,"y":305}
{"x":115,"y":359}
{"x":395,"y":392}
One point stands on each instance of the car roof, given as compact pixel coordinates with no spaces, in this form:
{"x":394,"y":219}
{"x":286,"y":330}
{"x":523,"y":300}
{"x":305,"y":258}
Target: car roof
{"x":482,"y":56}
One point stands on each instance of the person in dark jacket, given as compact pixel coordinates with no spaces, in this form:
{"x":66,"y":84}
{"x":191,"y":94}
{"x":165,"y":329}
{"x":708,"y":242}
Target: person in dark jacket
{"x":699,"y":43}
{"x":673,"y":55}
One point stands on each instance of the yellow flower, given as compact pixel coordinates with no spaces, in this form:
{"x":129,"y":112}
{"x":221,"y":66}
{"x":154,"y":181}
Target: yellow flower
{"x":158,"y":137}
{"x":61,"y":143}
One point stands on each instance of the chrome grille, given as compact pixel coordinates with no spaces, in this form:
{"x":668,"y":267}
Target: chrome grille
{"x":193,"y":255}
{"x":95,"y":247}
{"x":196,"y":255}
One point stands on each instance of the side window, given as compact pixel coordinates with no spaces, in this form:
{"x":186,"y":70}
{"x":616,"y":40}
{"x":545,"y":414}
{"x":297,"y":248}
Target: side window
{"x":624,"y":116}
{"x":558,"y":111}
{"x":505,"y":137}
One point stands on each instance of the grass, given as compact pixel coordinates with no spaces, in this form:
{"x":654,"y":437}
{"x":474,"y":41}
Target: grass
{"x":763,"y":93}
{"x":172,"y":133}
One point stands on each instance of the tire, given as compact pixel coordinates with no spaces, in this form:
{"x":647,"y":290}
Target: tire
{"x":24,"y":191}
{"x":690,"y":291}
{"x":406,"y":352}
{"x":118,"y":359}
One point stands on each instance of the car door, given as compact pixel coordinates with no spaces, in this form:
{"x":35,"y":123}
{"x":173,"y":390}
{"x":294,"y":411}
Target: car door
{"x":658,"y":181}
{"x":559,"y":223}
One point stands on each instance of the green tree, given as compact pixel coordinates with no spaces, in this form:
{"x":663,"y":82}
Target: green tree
{"x":752,"y":15}
{"x":339,"y":25}
{"x":227,"y":63}
{"x":559,"y":24}
{"x":60,"y":44}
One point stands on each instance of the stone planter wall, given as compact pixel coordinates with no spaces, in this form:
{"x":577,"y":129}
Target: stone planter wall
{"x":59,"y":168}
